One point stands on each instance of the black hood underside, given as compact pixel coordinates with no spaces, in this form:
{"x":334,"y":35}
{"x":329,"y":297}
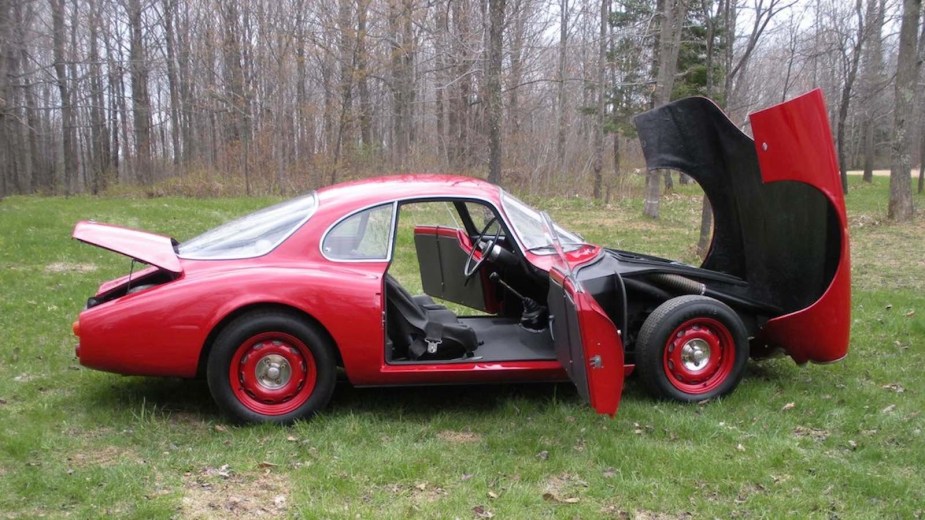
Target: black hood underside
{"x":779,"y":237}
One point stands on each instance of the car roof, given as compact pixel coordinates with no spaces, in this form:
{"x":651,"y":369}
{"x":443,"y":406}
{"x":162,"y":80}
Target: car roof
{"x":374,"y":190}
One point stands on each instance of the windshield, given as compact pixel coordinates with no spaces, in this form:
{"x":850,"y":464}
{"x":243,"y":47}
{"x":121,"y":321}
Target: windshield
{"x":252,"y":235}
{"x":528,"y":224}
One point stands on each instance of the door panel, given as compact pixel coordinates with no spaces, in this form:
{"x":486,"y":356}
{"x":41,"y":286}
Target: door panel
{"x":441,"y":259}
{"x":587,"y":344}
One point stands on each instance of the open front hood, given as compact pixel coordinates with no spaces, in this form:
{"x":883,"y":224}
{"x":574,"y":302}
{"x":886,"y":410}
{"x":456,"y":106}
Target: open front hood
{"x":778,"y":208}
{"x":156,"y":250}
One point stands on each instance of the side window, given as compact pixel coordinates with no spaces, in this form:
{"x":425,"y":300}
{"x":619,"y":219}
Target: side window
{"x":362,"y":236}
{"x":437,"y":213}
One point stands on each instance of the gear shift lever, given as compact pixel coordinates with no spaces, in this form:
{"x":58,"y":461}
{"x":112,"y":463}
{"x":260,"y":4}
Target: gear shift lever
{"x":534,"y":315}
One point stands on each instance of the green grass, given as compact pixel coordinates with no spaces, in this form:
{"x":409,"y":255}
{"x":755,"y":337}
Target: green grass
{"x":843,"y":440}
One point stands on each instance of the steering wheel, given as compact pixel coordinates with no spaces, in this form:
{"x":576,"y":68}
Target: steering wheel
{"x":470,"y":268}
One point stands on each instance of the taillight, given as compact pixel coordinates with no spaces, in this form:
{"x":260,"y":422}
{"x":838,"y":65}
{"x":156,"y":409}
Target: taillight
{"x":76,"y":328}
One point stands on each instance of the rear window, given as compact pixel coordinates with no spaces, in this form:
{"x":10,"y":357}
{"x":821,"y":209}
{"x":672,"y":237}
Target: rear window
{"x":252,"y":235}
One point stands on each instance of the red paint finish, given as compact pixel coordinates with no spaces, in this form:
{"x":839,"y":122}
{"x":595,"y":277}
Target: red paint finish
{"x":149,"y":248}
{"x":603,"y":355}
{"x":794,"y":143}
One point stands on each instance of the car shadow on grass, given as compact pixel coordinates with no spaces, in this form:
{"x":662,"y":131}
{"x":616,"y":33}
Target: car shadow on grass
{"x":151,"y":396}
{"x":428,"y":400}
{"x":167,"y":397}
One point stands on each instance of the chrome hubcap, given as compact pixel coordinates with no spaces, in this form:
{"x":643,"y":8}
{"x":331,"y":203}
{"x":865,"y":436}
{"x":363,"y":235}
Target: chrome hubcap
{"x":695,"y":354}
{"x":273,"y":371}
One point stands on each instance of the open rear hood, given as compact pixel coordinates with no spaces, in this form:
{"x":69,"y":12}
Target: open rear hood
{"x":156,"y":250}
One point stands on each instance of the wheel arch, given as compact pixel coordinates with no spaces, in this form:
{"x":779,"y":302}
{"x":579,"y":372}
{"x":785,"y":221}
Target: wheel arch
{"x":260,"y":307}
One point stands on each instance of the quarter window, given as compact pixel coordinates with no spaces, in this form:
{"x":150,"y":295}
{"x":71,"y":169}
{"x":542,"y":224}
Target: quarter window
{"x":362,"y":236}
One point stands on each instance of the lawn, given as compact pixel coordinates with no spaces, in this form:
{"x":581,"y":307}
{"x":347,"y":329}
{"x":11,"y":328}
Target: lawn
{"x":836,"y":441}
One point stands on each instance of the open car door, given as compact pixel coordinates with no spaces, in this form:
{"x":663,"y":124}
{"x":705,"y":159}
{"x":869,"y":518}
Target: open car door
{"x":586,"y":340}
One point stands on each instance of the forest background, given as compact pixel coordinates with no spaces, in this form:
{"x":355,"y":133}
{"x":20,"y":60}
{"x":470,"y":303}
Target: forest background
{"x":226,"y":97}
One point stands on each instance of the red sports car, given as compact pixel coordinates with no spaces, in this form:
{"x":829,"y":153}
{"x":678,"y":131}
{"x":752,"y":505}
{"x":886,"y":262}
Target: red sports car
{"x":267,"y":307}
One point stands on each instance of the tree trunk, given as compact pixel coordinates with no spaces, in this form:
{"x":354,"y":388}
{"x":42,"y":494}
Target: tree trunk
{"x":366,"y":129}
{"x":188,"y":110}
{"x":402,"y":62}
{"x":871,"y":80}
{"x":845,"y":100}
{"x":921,"y":164}
{"x":900,"y":207}
{"x":99,"y":135}
{"x":560,"y":87}
{"x":141,"y":104}
{"x":68,"y":138}
{"x":673,"y":16}
{"x":597,"y":162}
{"x":170,"y":7}
{"x":442,"y":80}
{"x":705,"y":236}
{"x":346,"y":46}
{"x":493,"y":87}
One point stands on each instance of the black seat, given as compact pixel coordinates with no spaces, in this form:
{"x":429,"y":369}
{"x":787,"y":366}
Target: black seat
{"x":421,"y":329}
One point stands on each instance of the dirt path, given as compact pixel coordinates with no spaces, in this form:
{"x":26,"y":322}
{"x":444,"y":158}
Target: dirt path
{"x":883,"y":173}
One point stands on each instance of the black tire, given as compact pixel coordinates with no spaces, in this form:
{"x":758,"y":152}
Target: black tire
{"x":691,"y":348}
{"x":272,"y":367}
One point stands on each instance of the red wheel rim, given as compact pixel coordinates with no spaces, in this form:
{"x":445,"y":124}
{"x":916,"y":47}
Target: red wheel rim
{"x":699,"y":355}
{"x":272,"y":373}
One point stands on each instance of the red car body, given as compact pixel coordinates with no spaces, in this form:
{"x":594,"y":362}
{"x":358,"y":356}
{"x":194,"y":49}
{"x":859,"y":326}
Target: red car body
{"x":169,"y":318}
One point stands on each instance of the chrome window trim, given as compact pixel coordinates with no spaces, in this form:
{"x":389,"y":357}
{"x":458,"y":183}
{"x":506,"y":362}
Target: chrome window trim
{"x":391,"y":237}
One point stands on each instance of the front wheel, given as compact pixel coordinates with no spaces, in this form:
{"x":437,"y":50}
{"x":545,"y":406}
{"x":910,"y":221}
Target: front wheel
{"x":271,"y":367}
{"x":691,"y":348}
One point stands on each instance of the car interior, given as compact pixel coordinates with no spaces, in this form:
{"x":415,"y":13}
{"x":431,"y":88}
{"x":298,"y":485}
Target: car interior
{"x":458,"y":291}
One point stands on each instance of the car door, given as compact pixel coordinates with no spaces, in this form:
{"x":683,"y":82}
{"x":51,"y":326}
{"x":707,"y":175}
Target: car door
{"x":588,"y":344}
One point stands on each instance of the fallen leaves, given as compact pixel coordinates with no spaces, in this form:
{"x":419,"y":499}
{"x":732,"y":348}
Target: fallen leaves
{"x":816,"y":434}
{"x":788,"y":406}
{"x":554,"y":498}
{"x":459,"y":437}
{"x":224,"y":471}
{"x":564,"y":488}
{"x":221,"y":492}
{"x":894,"y":387}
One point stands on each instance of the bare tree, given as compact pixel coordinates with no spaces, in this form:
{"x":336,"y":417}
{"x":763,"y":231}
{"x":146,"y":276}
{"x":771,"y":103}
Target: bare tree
{"x":141,"y":103}
{"x":69,"y":138}
{"x":900,"y":206}
{"x":597,"y":162}
{"x":872,"y":84}
{"x":560,"y":78}
{"x":850,"y":47}
{"x":493,"y":86}
{"x":672,"y":18}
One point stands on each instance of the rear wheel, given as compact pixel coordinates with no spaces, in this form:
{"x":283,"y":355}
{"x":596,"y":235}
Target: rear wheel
{"x":271,"y":367}
{"x":691,"y":348}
